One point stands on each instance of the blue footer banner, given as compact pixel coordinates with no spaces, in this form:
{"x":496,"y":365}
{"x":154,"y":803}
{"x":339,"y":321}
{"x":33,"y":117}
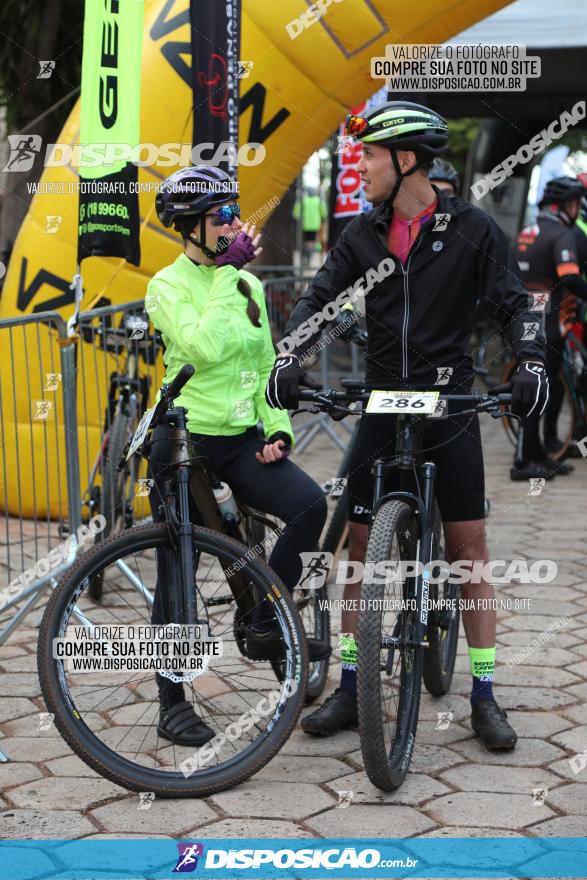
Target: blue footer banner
{"x":275,"y":858}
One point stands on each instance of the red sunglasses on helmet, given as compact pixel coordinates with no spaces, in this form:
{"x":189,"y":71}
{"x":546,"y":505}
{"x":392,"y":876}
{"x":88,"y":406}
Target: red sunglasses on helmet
{"x":355,"y":125}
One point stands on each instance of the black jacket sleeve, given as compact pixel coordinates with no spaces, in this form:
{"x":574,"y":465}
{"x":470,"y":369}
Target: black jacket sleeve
{"x":338,"y":273}
{"x":502,"y":290}
{"x":581,"y":245}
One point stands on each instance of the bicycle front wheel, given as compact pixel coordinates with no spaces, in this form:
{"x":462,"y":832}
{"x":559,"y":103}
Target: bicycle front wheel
{"x":110,"y":718}
{"x":389,"y":664}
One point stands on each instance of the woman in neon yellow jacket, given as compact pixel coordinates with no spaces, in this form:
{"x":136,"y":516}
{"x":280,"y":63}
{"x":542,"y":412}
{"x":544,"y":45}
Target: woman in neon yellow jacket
{"x":212,"y":314}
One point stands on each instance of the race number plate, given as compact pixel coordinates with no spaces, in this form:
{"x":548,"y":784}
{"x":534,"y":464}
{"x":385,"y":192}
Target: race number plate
{"x":413,"y":402}
{"x":141,"y":432}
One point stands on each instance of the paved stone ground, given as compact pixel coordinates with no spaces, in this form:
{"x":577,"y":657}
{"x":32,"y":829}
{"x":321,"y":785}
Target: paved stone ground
{"x":454,"y":787}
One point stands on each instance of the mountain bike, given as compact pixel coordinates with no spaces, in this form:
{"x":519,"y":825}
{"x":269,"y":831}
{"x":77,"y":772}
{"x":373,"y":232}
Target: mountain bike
{"x":108,"y":715}
{"x":572,"y":420}
{"x":111,"y":491}
{"x":409,"y":618}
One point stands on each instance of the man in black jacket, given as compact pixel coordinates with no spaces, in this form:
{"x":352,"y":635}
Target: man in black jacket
{"x":549,"y":253}
{"x":425,"y":259}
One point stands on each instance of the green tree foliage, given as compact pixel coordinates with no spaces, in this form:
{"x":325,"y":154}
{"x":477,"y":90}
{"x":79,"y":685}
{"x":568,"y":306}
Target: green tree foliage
{"x":463,"y":132}
{"x":35,"y":31}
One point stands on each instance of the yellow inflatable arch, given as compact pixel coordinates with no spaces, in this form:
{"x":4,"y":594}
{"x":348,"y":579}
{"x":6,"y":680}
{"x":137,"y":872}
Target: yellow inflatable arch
{"x":296,"y":94}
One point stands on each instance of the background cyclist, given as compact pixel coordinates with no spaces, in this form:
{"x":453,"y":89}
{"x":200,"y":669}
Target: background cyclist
{"x":547,"y":254}
{"x":212,"y":314}
{"x":444,"y":176}
{"x":419,"y":321}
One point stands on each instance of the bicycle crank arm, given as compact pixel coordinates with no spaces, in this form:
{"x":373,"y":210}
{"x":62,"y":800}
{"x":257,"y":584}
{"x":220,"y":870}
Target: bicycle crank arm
{"x":392,"y":642}
{"x":220,"y":600}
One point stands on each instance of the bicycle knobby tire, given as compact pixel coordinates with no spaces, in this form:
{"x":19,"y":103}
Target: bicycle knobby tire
{"x":89,"y":747}
{"x":386,"y":764}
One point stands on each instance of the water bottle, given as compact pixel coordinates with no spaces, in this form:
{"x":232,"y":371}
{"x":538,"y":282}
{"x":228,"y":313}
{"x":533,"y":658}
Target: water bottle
{"x":225,"y":501}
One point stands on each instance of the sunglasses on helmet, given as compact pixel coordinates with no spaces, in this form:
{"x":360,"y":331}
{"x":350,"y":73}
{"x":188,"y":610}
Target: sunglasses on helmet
{"x":355,"y":125}
{"x":225,"y":214}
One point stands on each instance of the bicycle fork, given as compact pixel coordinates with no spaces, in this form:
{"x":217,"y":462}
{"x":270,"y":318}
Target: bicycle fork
{"x":424,"y":553}
{"x":423,"y":509}
{"x":187,"y":611}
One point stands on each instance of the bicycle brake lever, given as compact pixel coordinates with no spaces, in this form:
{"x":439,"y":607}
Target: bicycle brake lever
{"x":296,"y":412}
{"x":338,"y":413}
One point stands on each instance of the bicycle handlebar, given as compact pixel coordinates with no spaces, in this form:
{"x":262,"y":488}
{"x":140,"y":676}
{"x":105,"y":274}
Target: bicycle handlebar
{"x":168,"y":395}
{"x":170,"y":392}
{"x":182,"y":378}
{"x":330,"y":399}
{"x":352,"y":395}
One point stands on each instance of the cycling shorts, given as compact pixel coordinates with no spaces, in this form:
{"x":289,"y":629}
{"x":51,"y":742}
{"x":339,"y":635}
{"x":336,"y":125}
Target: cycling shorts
{"x":452,"y":443}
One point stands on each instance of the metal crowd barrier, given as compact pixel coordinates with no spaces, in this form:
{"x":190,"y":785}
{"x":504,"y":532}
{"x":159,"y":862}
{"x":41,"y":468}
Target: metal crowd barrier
{"x":56,"y":405}
{"x":39,"y":470}
{"x":57,"y":392}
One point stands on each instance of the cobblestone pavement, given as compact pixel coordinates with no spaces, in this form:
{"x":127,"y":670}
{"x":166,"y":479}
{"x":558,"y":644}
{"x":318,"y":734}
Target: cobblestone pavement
{"x":454,"y":787}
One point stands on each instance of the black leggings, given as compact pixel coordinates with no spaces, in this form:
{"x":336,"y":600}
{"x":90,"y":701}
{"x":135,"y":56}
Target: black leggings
{"x":280,"y":489}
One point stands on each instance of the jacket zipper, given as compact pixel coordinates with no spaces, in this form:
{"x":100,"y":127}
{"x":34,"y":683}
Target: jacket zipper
{"x":407,"y":307}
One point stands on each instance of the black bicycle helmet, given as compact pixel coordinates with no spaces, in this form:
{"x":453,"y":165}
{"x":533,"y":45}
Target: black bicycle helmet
{"x":443,"y":170}
{"x":192,"y":191}
{"x":561,"y":190}
{"x":189,"y":193}
{"x":402,"y":125}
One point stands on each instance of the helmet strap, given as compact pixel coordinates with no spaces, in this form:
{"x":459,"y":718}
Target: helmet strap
{"x":556,"y":210}
{"x":566,"y":216}
{"x":400,"y":175}
{"x":202,"y":244}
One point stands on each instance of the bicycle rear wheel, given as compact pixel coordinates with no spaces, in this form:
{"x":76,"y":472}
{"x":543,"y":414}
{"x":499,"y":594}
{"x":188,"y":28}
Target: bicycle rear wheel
{"x":312,"y":606}
{"x":110,"y":717}
{"x":114,"y":482}
{"x":389,"y":670}
{"x":115,"y":486}
{"x":566,"y":420}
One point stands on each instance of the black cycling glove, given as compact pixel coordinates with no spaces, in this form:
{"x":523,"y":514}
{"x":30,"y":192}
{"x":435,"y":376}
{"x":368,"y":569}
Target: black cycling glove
{"x":529,"y":390}
{"x":281,"y":435}
{"x":283,"y":385}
